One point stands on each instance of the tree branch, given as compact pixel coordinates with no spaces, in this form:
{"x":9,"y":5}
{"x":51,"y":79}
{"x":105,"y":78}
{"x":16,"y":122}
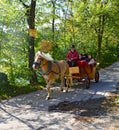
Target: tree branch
{"x":26,"y":6}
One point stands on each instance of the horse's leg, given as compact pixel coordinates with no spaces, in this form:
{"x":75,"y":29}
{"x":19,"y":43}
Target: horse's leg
{"x":62,"y":82}
{"x":67,"y":84}
{"x":48,"y":90}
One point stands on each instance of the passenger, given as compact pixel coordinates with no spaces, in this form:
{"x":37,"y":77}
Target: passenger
{"x":72,"y":56}
{"x":83,"y":60}
{"x":85,"y":57}
{"x":80,"y":57}
{"x":86,"y":60}
{"x":91,"y":60}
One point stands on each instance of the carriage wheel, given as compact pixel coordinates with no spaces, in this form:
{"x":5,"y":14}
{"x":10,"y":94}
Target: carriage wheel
{"x":96,"y":76}
{"x":87,"y":83}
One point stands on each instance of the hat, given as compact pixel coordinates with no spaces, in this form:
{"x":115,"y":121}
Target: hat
{"x":72,"y":46}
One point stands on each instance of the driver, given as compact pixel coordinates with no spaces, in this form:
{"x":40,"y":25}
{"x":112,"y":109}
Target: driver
{"x":72,"y":56}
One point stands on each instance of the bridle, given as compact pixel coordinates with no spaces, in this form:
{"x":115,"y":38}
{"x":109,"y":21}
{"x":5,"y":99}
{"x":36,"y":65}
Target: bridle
{"x":36,"y":64}
{"x":39,"y":64}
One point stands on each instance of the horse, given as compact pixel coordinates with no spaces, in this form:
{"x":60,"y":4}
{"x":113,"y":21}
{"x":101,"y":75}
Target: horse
{"x":51,"y":70}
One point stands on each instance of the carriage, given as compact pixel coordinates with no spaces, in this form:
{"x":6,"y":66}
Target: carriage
{"x":83,"y":74}
{"x":52,"y":70}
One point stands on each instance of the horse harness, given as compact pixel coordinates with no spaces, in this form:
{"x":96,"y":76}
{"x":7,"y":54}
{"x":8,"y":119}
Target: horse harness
{"x":50,"y":68}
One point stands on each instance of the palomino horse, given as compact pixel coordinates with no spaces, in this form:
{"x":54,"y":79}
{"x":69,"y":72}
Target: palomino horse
{"x":51,"y":70}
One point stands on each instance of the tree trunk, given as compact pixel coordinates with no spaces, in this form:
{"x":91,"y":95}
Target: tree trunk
{"x":30,"y":13}
{"x":53,"y":20}
{"x":31,"y":52}
{"x":100,"y":34}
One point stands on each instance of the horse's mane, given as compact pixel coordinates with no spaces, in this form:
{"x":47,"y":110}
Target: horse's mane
{"x":46,"y":56}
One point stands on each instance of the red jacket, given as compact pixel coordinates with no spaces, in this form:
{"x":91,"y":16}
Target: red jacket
{"x":72,"y":55}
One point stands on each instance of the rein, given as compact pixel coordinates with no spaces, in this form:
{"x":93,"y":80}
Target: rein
{"x":50,"y":68}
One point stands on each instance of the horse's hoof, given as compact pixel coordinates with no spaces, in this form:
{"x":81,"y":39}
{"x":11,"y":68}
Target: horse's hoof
{"x":65,"y":91}
{"x":61,"y":89}
{"x":47,"y":98}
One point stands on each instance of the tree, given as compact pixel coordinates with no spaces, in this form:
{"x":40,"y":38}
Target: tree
{"x":99,"y":28}
{"x":30,"y":13}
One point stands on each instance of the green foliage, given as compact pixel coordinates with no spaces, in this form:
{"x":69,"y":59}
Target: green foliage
{"x":13,"y":91}
{"x":108,"y":57}
{"x":3,"y":80}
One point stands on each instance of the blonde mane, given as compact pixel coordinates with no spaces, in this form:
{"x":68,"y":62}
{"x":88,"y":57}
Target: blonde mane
{"x":46,"y":56}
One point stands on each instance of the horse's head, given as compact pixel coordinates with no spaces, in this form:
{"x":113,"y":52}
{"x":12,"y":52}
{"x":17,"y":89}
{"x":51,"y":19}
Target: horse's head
{"x":40,"y":59}
{"x":37,"y":61}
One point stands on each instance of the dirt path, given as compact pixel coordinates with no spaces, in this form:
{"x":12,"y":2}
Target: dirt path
{"x":100,"y":113}
{"x":79,"y":109}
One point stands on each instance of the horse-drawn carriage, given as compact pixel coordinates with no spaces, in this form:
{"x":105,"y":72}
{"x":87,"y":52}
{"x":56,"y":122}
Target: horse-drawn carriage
{"x":52,"y":70}
{"x":84,"y":74}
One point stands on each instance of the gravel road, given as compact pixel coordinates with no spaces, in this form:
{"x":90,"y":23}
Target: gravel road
{"x":31,"y":111}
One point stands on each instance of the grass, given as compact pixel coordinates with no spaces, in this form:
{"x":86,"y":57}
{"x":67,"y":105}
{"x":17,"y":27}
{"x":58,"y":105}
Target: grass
{"x":12,"y":91}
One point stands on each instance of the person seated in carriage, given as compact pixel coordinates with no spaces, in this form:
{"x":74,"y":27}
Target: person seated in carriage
{"x":91,"y":60}
{"x":86,"y":60}
{"x":72,"y":56}
{"x":84,"y":57}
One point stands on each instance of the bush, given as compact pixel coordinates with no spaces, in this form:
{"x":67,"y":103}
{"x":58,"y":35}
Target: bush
{"x":3,"y":80}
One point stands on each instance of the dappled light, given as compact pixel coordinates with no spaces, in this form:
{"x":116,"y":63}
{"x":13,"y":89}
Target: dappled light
{"x":52,"y":28}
